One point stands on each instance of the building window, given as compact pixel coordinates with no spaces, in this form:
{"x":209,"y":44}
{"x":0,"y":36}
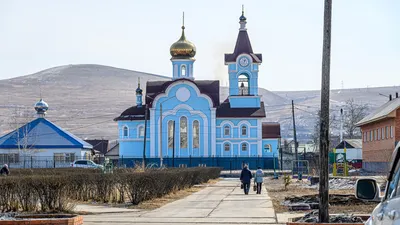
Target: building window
{"x":227,"y":147}
{"x":375,"y":135}
{"x":141,"y":131}
{"x":227,"y":130}
{"x":244,"y":147}
{"x":267,"y":148}
{"x":244,"y":131}
{"x":183,"y":70}
{"x":370,"y":135}
{"x":196,"y":132}
{"x":9,"y":158}
{"x":365,"y":136}
{"x":125,"y":131}
{"x":170,"y":134}
{"x":391,"y":131}
{"x":382,"y":133}
{"x":386,"y":132}
{"x":69,"y":157}
{"x":59,"y":157}
{"x":183,"y":132}
{"x":379,"y":134}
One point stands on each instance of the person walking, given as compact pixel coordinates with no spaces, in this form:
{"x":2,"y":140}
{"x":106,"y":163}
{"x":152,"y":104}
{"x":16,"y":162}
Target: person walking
{"x":245,"y":178}
{"x":5,"y":171}
{"x":259,"y":179}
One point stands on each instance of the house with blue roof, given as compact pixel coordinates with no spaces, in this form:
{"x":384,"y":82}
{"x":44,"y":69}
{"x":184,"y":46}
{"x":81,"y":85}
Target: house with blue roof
{"x":41,"y":143}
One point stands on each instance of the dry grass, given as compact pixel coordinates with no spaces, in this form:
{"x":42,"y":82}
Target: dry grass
{"x":159,"y":202}
{"x":276,"y":191}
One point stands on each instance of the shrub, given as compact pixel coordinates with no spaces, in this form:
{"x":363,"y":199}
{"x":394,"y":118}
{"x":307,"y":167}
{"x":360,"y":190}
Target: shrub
{"x":55,"y":189}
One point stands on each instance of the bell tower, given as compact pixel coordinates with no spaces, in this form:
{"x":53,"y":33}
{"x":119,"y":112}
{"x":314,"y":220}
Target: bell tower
{"x":243,"y":66}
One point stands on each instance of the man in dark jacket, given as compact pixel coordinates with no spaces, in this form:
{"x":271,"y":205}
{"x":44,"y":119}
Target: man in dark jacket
{"x":245,"y":178}
{"x":5,"y":171}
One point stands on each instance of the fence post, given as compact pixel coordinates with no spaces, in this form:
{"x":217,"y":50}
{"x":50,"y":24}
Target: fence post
{"x":24,"y":161}
{"x":190,"y":160}
{"x":31,"y":162}
{"x":46,"y":163}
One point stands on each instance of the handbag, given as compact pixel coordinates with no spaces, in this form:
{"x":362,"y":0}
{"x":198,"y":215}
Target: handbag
{"x":254,"y":187}
{"x":241,"y":186}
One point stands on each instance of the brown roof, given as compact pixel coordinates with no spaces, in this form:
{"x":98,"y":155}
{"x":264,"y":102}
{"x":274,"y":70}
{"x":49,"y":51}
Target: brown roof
{"x":207,"y":87}
{"x":99,"y":145}
{"x":225,"y":110}
{"x":243,"y":45}
{"x":382,"y":112}
{"x":271,"y":130}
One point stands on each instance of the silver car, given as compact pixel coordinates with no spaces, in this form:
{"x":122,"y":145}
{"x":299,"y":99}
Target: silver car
{"x":84,"y":163}
{"x":388,"y":210}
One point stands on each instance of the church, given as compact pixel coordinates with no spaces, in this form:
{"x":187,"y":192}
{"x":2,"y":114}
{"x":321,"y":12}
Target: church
{"x":183,"y":122}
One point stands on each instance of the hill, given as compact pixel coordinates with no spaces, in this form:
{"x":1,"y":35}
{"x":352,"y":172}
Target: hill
{"x":85,"y":98}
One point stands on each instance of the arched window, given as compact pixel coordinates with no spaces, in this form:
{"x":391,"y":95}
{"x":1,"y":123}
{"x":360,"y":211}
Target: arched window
{"x":227,"y":147}
{"x":244,"y":147}
{"x":183,"y":132}
{"x":244,"y":130}
{"x":267,"y":148}
{"x":125,"y":132}
{"x":196,"y":132}
{"x":183,"y":70}
{"x":141,"y":131}
{"x":170,"y":134}
{"x":227,"y":130}
{"x":243,"y":82}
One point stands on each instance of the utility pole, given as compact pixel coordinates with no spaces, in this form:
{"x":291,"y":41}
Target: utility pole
{"x":161,"y":140}
{"x":323,"y":214}
{"x":173,"y":145}
{"x":341,"y":125}
{"x":295,"y":139}
{"x":145,"y":136}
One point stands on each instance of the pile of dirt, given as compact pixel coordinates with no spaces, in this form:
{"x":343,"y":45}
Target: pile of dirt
{"x":312,"y":217}
{"x":308,"y":202}
{"x":7,"y":216}
{"x":338,"y":184}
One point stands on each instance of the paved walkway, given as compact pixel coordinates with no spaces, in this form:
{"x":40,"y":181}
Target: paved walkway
{"x":221,"y":203}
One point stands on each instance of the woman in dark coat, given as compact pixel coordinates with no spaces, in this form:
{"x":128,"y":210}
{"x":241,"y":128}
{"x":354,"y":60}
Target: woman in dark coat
{"x":5,"y":171}
{"x":245,"y":178}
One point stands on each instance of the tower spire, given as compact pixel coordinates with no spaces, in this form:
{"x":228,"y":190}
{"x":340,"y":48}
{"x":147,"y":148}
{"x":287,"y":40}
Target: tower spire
{"x":183,"y":20}
{"x":242,"y":20}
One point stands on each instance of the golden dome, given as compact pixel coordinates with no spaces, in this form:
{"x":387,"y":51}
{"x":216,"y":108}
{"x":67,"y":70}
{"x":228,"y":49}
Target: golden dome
{"x":182,"y":49}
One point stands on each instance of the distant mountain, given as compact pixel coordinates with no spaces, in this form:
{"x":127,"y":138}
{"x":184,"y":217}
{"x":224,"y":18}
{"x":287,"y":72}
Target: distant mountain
{"x":86,"y":98}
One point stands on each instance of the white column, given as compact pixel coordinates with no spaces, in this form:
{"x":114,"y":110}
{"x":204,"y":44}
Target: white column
{"x":152,"y":132}
{"x":213,"y":132}
{"x":259,"y":137}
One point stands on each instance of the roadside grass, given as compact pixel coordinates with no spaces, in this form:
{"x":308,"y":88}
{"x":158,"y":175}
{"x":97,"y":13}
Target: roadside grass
{"x":276,"y":190}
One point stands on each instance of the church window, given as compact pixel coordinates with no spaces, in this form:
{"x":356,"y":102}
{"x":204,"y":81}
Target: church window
{"x":183,"y":132}
{"x":183,"y":70}
{"x":170,"y":134}
{"x":243,"y":84}
{"x":196,"y":132}
{"x":125,"y":131}
{"x":141,"y":131}
{"x":244,"y":131}
{"x":227,"y":147}
{"x":227,"y":130}
{"x":267,"y":148}
{"x":244,"y":147}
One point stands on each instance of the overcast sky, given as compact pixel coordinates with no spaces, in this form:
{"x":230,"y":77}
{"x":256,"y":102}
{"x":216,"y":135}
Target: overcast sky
{"x":137,"y":34}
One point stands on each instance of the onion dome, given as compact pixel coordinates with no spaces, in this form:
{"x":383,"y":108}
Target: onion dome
{"x":183,"y":49}
{"x":41,"y":107}
{"x":139,"y":91}
{"x":242,"y":18}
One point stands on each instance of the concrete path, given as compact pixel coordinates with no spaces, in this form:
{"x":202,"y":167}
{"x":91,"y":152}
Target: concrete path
{"x":221,"y":203}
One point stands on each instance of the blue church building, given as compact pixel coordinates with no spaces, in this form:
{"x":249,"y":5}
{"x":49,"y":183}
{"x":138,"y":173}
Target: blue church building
{"x":183,"y":121}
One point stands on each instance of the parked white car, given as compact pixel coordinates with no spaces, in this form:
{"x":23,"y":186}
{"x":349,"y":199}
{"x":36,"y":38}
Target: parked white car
{"x":388,"y":211}
{"x":83,"y":163}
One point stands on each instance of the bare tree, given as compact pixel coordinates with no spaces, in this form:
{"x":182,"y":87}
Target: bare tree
{"x":353,"y":113}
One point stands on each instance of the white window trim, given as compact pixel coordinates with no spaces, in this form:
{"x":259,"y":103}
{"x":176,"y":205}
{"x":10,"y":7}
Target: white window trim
{"x":181,"y":69}
{"x":123,"y":131}
{"x":247,"y":131}
{"x":247,"y":144}
{"x":138,"y":130}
